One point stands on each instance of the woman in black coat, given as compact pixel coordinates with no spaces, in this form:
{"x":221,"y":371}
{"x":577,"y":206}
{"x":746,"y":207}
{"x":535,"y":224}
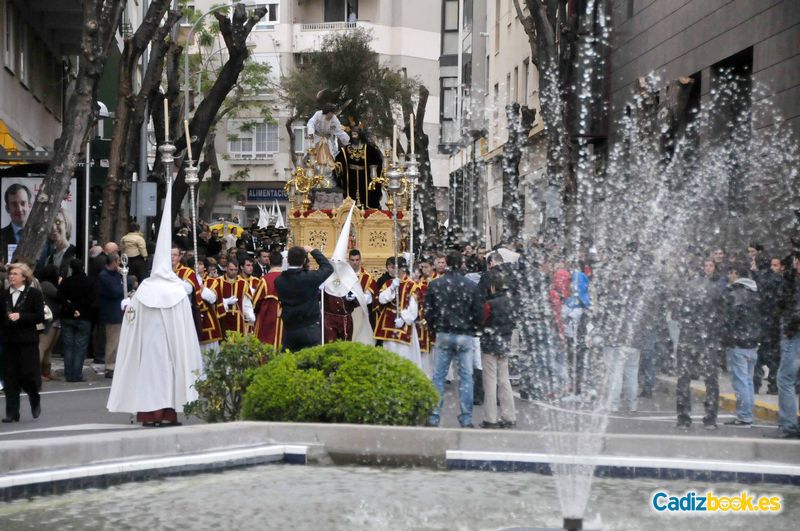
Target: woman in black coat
{"x":22,"y":309}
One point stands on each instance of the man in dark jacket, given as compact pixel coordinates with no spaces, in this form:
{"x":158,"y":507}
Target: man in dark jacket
{"x":261,"y":265}
{"x":741,"y":335}
{"x":699,"y":313}
{"x":770,"y":286}
{"x":789,"y":308}
{"x":109,"y":297}
{"x":298,"y":291}
{"x":454,"y":310}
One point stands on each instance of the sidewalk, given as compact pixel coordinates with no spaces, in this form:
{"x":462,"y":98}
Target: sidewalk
{"x":766,"y":406}
{"x":91,"y":371}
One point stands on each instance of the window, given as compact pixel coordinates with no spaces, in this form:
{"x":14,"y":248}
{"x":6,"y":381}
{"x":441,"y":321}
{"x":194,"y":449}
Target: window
{"x":449,"y":97}
{"x":450,"y":42}
{"x":271,"y":18}
{"x":248,"y":140}
{"x":274,"y":62}
{"x":449,"y":110}
{"x":496,"y":102}
{"x":10,"y":41}
{"x":515,"y":86}
{"x":299,"y":145}
{"x":508,"y":88}
{"x":526,"y":72}
{"x":335,"y":10}
{"x":23,"y":53}
{"x":497,"y":26}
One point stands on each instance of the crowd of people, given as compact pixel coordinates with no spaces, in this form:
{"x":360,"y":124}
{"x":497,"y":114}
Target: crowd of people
{"x":459,"y":314}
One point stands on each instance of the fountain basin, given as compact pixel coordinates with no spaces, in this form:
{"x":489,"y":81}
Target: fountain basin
{"x":362,"y":497}
{"x":623,"y":455}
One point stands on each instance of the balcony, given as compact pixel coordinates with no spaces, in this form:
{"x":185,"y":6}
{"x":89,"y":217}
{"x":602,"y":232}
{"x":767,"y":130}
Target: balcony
{"x":308,"y":36}
{"x":328,"y":26}
{"x":251,"y":159}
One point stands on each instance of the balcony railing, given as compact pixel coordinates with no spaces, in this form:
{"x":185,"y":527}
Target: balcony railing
{"x":327,"y":26}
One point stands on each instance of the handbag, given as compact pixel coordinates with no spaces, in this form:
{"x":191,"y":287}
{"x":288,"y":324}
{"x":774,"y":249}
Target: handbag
{"x":48,"y":317}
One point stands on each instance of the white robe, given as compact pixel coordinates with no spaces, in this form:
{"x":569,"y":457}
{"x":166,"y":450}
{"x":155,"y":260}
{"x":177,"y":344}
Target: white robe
{"x":410,"y":351}
{"x":328,"y":130}
{"x":158,"y":359}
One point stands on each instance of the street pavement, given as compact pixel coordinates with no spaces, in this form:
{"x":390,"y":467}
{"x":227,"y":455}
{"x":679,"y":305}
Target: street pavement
{"x":73,"y":408}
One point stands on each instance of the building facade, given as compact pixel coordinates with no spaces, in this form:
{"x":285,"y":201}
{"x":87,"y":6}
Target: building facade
{"x":755,"y":43}
{"x":484,"y":67}
{"x":34,"y":78}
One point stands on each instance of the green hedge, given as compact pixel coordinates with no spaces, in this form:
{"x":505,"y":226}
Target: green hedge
{"x":340,"y":382}
{"x":226,"y":375}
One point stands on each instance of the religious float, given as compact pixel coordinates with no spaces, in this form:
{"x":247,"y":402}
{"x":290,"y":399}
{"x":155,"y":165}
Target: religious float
{"x":379,"y":231}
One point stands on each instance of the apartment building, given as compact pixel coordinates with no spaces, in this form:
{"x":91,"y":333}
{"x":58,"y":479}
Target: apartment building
{"x":485,"y":65}
{"x":33,"y":80}
{"x":406,"y":35}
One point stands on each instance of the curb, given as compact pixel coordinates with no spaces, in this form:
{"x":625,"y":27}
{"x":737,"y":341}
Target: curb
{"x":100,"y":475}
{"x":762,"y":410}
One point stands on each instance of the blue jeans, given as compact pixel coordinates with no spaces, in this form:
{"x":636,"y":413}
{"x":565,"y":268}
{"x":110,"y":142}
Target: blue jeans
{"x":623,"y":377}
{"x":787,"y":378}
{"x":75,"y":334}
{"x":741,"y":363}
{"x":447,"y":347}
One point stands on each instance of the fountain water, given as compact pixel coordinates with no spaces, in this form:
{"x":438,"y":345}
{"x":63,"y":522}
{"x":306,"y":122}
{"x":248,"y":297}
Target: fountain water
{"x":660,"y":196}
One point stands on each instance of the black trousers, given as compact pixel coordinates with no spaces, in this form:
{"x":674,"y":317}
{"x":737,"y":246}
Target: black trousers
{"x":299,"y":338}
{"x":769,"y":354}
{"x":698,"y":357}
{"x":22,"y":372}
{"x":137,"y":266}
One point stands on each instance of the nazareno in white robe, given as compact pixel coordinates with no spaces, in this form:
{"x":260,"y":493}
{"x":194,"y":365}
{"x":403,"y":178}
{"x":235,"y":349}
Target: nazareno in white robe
{"x":158,"y":356}
{"x":158,"y":359}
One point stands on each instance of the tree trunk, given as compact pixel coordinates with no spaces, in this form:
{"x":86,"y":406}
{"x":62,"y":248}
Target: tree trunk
{"x":512,"y":209}
{"x":426,"y":192}
{"x":288,"y":124}
{"x":131,"y":54}
{"x":100,"y":21}
{"x":235,"y":32}
{"x":547,"y":53}
{"x":214,"y":186}
{"x":150,"y":85}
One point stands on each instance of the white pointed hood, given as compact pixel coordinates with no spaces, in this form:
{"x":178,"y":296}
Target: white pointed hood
{"x":279,"y":223}
{"x":263,"y":218}
{"x":163,"y":288}
{"x":344,"y":280}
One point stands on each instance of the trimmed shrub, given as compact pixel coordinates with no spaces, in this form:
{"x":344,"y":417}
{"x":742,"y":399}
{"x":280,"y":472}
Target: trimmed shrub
{"x":226,"y":375}
{"x":340,"y":382}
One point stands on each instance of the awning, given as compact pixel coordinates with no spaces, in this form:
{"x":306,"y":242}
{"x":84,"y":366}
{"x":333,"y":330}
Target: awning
{"x":14,"y":150}
{"x":7,"y":140}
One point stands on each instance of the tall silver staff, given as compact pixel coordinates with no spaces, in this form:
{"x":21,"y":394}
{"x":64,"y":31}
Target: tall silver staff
{"x":394,"y":186}
{"x":191,"y":179}
{"x":123,"y":259}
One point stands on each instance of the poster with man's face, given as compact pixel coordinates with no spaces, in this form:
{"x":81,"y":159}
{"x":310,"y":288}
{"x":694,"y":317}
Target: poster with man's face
{"x":19,"y":194}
